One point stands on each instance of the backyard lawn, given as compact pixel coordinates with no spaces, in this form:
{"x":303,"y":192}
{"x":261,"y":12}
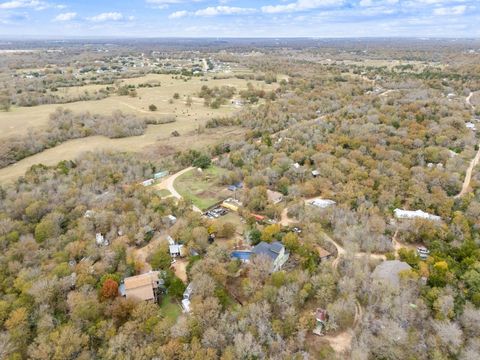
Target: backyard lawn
{"x":170,"y":308}
{"x":203,"y":189}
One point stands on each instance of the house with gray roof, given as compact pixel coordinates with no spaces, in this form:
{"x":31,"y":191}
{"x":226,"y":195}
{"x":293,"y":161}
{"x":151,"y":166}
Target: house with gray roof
{"x":274,"y":251}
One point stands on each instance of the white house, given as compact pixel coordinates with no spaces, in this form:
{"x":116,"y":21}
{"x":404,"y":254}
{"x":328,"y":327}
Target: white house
{"x":175,"y":250}
{"x":322,"y":203}
{"x":417,"y":214}
{"x":148,"y":182}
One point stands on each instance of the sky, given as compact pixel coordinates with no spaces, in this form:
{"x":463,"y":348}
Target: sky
{"x":240,"y":18}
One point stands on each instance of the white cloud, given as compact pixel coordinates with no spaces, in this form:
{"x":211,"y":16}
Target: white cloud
{"x":223,"y":10}
{"x":33,"y":4}
{"x":213,"y":11}
{"x":300,"y":5}
{"x":178,"y":14}
{"x":164,"y":4}
{"x":454,"y":10}
{"x":65,"y":16}
{"x":368,"y":3}
{"x":109,"y":16}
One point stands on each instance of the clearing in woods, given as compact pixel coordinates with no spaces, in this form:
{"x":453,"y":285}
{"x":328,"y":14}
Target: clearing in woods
{"x":202,"y":188}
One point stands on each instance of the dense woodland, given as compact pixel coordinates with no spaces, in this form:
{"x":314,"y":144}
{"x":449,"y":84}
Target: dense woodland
{"x":380,"y":137}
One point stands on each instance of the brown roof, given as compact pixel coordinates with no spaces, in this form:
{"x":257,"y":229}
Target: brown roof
{"x":141,"y":286}
{"x":321,"y":314}
{"x":323,"y":253}
{"x":274,"y":196}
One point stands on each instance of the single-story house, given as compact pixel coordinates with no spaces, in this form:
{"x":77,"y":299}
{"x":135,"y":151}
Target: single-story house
{"x":148,"y":182}
{"x":274,"y":251}
{"x":315,"y":173}
{"x":322,"y":203}
{"x":274,"y":196}
{"x":231,"y":204}
{"x":144,"y":287}
{"x":417,"y":214}
{"x":389,"y":271}
{"x":160,"y":175}
{"x":175,"y":250}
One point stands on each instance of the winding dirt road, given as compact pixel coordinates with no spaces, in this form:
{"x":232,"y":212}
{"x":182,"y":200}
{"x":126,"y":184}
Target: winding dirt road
{"x":473,"y":163}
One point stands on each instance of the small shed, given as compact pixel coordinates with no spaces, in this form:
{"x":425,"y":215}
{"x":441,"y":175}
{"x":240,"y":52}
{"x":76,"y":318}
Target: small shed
{"x":321,"y":318}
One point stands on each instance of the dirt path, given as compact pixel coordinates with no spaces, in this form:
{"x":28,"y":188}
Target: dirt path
{"x":142,"y":253}
{"x":180,"y":269}
{"x":168,"y":184}
{"x":386,"y":92}
{"x":468,"y":175}
{"x":473,"y":163}
{"x":468,"y":101}
{"x":285,"y":220}
{"x":341,"y":342}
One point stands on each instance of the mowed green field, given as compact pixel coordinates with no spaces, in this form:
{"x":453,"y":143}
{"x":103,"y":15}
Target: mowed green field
{"x":203,"y":189}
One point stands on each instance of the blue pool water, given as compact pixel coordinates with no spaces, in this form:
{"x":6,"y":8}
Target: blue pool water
{"x":241,"y":255}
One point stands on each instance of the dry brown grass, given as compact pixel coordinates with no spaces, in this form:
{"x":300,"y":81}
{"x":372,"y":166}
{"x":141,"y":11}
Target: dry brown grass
{"x":20,"y":119}
{"x":153,"y":143}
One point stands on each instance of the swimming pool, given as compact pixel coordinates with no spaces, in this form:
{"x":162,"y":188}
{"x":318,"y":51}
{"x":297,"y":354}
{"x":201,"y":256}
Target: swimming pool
{"x":242,"y":255}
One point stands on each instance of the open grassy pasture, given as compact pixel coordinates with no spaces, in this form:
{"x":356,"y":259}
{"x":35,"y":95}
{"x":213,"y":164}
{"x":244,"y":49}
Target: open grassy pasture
{"x":155,"y":142}
{"x":20,"y":119}
{"x":203,"y":189}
